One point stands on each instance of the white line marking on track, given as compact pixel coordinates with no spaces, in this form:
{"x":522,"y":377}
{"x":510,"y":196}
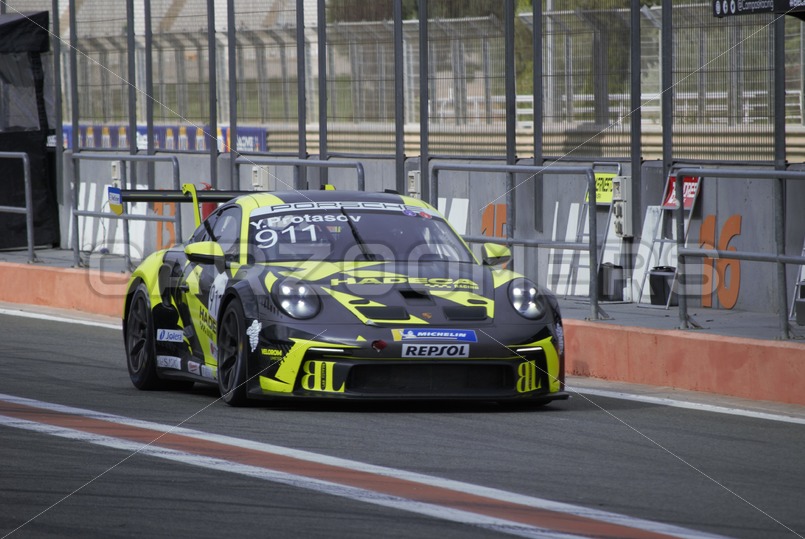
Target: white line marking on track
{"x":689,"y":405}
{"x":53,"y":318}
{"x":661,"y":401}
{"x":498,"y":524}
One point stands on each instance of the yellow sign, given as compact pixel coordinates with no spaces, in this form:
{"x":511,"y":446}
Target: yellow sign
{"x":603,"y":188}
{"x":115,"y":200}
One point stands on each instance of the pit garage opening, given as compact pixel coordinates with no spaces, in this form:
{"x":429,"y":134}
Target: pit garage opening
{"x":26,"y":105}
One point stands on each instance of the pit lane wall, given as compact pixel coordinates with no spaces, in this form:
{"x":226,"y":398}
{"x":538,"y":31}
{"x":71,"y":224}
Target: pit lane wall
{"x":748,"y":368}
{"x":728,"y":214}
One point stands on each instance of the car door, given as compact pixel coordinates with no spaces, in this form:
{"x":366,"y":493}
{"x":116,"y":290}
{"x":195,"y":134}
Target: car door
{"x":204,"y":283}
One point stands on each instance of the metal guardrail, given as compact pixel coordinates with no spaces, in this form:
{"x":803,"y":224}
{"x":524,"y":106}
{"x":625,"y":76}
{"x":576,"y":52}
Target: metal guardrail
{"x":591,"y":246}
{"x":28,"y":210}
{"x":304,"y":163}
{"x":779,"y":258}
{"x":177,"y":219}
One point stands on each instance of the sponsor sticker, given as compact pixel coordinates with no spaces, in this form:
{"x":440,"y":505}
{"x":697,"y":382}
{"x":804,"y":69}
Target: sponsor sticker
{"x":209,"y":372}
{"x":336,"y":206}
{"x":429,"y":282}
{"x":287,"y":220}
{"x":169,"y":362}
{"x":115,"y":200}
{"x":435,"y":334}
{"x":435,"y":350}
{"x":254,"y":334}
{"x":216,"y":293}
{"x":194,"y":367}
{"x":690,"y":190}
{"x":170,"y":335}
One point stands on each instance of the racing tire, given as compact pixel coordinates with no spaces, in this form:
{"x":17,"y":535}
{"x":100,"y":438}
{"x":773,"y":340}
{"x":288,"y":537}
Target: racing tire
{"x":232,"y":354}
{"x":141,"y":346}
{"x":140,"y":342}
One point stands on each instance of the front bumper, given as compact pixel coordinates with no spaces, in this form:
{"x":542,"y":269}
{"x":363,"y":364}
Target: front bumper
{"x":316,"y":369}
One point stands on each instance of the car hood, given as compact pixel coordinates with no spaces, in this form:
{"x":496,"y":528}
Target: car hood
{"x":379,"y":293}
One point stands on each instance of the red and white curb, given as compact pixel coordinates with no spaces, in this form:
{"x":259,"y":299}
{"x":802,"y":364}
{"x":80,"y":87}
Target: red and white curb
{"x":455,"y":501}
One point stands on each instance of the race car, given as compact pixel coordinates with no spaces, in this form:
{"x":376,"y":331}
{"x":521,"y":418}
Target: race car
{"x":334,"y":294}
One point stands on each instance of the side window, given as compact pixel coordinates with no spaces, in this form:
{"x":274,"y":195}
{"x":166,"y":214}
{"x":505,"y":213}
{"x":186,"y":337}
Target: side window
{"x":202,"y":233}
{"x":226,"y":231}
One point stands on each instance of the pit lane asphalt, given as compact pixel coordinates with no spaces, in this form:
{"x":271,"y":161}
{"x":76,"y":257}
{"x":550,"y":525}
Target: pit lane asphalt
{"x":711,"y":472}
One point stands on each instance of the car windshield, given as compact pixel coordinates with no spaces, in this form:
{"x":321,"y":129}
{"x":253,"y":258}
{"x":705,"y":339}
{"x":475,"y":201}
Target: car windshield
{"x":349,"y":231}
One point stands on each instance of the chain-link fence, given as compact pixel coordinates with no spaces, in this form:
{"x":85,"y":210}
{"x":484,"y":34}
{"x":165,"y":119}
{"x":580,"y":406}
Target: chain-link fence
{"x":478,"y":65}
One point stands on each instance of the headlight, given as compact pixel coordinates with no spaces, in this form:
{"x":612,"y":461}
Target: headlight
{"x":297,"y":299}
{"x":526,"y":299}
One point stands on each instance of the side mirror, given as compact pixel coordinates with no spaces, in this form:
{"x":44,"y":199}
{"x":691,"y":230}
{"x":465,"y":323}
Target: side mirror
{"x":495,"y":254}
{"x":205,"y":252}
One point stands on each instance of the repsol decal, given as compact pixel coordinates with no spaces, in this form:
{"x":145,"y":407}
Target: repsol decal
{"x":435,"y":350}
{"x":318,"y":376}
{"x":429,"y":282}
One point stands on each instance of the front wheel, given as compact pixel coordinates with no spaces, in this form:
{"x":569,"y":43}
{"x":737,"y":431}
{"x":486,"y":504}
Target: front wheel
{"x":232,"y":354}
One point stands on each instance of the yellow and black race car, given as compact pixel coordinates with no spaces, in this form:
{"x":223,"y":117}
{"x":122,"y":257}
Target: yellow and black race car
{"x":335,"y":294}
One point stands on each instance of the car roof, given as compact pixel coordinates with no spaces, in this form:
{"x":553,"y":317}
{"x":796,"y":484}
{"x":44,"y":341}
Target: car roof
{"x":270,"y":198}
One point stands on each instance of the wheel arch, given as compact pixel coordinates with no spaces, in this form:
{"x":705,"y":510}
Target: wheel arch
{"x":134,"y":283}
{"x":243,"y":291}
{"x":147,"y":273}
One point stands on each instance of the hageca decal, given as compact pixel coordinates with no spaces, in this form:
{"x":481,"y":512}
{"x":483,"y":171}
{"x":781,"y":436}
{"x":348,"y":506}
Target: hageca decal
{"x":429,"y":282}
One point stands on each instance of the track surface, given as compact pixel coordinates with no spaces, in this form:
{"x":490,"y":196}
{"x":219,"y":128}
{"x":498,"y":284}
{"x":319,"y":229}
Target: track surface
{"x":721,"y":474}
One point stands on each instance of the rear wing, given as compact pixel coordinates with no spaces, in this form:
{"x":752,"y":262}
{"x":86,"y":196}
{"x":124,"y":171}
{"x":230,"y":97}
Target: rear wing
{"x":188,"y":194}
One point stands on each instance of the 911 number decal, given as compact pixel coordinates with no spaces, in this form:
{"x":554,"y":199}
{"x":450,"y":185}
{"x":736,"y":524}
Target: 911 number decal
{"x":268,"y":238}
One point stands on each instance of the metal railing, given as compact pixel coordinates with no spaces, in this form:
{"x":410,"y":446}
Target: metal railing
{"x":28,"y":210}
{"x":538,"y":174}
{"x":177,"y":218}
{"x":304,"y":163}
{"x":779,"y":258}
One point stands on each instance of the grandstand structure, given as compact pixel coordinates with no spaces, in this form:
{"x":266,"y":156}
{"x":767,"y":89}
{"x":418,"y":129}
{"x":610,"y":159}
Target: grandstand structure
{"x":722,"y":76}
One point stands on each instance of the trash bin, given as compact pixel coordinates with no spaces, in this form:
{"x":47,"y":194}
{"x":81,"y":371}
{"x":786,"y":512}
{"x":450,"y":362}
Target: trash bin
{"x":610,"y":282}
{"x":660,"y":280}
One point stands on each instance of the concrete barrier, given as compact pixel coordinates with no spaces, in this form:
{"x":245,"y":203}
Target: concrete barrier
{"x":83,"y":290}
{"x":748,"y":368}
